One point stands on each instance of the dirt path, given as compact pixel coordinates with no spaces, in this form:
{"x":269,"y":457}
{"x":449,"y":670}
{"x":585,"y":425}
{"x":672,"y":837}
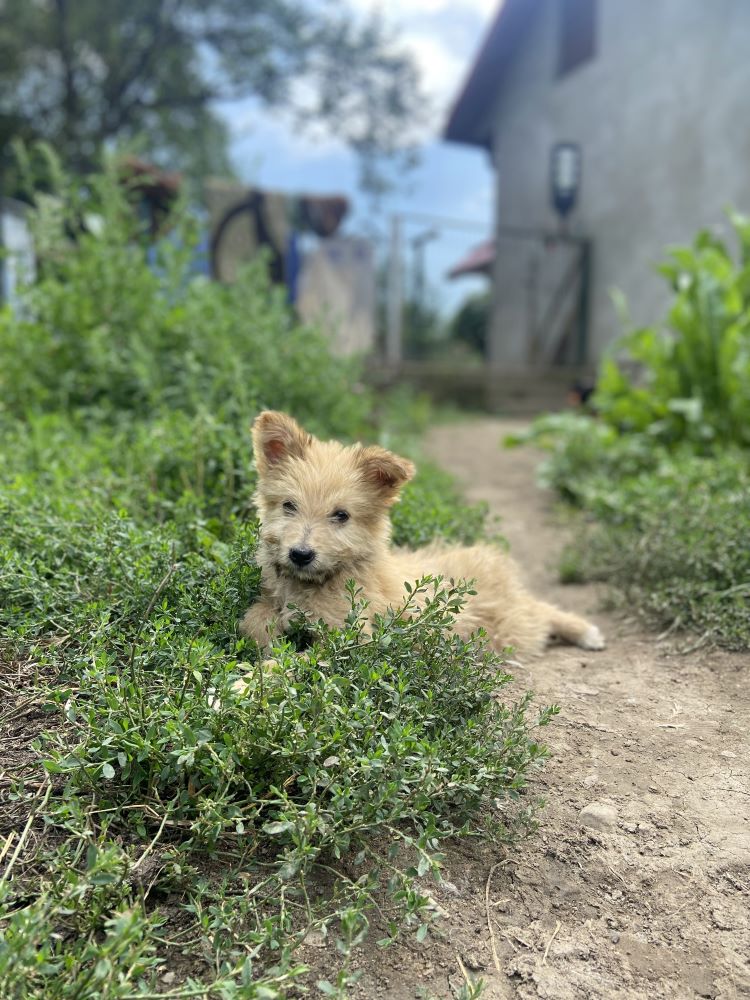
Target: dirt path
{"x":655,"y":902}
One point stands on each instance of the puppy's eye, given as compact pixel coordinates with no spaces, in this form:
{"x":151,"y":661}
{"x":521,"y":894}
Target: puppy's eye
{"x":341,"y":516}
{"x":289,"y":507}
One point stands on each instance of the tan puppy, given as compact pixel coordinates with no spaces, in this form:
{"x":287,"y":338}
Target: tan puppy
{"x":324,"y":520}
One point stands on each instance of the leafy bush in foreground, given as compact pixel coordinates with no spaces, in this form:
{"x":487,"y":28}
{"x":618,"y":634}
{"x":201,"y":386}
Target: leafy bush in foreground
{"x":347,"y":765}
{"x":56,"y":947}
{"x":200,"y":800}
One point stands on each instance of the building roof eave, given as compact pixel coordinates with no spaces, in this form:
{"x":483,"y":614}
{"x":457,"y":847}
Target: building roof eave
{"x":467,"y":122}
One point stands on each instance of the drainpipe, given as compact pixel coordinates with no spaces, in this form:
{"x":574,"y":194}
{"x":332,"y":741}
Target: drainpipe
{"x":584,"y":305}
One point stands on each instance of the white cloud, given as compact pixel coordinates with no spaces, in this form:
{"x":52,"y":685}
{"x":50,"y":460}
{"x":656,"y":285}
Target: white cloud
{"x":442,"y":35}
{"x":441,"y":69}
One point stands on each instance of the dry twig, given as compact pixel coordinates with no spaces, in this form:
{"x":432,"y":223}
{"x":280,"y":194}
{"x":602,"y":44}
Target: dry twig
{"x":24,"y":835}
{"x":489,"y":916}
{"x":549,"y":943}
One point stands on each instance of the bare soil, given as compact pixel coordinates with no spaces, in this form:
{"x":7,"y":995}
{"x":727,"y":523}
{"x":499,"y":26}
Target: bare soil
{"x":656,"y":902}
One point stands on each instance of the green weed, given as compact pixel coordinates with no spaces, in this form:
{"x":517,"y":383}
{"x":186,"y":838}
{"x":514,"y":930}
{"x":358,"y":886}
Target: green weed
{"x":690,"y":381}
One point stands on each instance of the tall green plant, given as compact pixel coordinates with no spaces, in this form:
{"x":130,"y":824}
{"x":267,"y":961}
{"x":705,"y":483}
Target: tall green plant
{"x":692,"y":380}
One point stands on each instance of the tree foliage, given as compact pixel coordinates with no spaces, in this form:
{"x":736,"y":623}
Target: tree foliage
{"x":471,"y":322}
{"x":82,"y":75}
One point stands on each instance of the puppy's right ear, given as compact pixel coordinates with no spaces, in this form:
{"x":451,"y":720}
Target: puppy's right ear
{"x":277,"y":437}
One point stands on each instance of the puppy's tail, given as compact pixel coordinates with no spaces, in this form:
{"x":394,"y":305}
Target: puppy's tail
{"x":573,"y":628}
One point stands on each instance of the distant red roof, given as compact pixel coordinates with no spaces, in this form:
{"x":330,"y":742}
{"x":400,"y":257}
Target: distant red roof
{"x":467,"y":120}
{"x":479,"y":260}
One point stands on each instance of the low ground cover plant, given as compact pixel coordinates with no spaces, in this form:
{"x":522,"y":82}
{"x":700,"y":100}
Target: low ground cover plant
{"x":660,"y":465}
{"x":181,"y":810}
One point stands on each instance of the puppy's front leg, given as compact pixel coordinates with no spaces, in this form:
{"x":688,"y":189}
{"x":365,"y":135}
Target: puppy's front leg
{"x":261,"y":622}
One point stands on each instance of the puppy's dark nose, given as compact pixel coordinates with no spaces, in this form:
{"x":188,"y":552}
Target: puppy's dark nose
{"x":301,"y":557}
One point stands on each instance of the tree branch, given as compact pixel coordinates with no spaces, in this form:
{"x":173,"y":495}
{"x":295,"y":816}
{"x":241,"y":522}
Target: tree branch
{"x":70,"y":98}
{"x":158,"y":21}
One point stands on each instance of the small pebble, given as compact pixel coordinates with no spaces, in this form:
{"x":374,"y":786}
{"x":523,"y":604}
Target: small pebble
{"x":473,"y":962}
{"x":598,"y":816}
{"x":315,"y":938}
{"x":450,"y":887}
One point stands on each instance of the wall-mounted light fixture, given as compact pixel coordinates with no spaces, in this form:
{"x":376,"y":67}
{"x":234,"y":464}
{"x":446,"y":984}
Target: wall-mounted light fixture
{"x":565,"y":176}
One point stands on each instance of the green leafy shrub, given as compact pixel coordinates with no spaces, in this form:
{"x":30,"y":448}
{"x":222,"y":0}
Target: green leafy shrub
{"x":59,"y":949}
{"x":107,"y":332}
{"x":431,"y":506}
{"x":199,"y":797}
{"x":664,"y":526}
{"x":692,"y":380}
{"x":357,"y":734}
{"x":674,"y":543}
{"x":662,"y":469}
{"x":375,"y":747}
{"x":581,"y":449}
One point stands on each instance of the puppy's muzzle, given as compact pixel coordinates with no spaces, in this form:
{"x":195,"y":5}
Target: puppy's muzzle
{"x":301,"y":557}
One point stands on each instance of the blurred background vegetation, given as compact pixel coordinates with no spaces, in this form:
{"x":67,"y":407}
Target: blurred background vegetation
{"x":148,"y":73}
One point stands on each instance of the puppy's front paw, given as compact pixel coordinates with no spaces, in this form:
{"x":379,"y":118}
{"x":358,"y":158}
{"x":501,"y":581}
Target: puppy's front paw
{"x":592,"y":638}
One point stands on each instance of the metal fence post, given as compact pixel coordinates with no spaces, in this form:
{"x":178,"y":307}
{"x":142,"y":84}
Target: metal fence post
{"x":393,"y":346}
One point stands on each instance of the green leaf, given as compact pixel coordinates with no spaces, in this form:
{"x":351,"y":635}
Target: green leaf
{"x":276,"y":827}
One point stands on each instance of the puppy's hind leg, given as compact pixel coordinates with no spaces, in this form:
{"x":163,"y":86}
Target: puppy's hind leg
{"x":573,"y":628}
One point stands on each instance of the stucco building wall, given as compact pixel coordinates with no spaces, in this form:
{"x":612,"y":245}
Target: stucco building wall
{"x":662,"y":115}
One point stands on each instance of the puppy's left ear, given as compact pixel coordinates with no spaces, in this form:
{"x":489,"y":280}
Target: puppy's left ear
{"x":385,"y":471}
{"x":276,"y":438}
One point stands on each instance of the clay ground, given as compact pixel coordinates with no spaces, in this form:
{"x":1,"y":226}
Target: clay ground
{"x":655,"y":904}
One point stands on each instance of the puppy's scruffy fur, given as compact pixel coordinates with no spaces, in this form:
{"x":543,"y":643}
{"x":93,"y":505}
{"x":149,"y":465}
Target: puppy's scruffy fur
{"x":324,"y":520}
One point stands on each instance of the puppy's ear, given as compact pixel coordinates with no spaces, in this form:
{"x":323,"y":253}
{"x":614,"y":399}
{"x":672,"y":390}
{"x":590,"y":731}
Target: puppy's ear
{"x":276,"y":437}
{"x":385,"y":471}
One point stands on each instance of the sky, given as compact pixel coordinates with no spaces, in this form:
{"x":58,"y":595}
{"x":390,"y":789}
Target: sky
{"x":454,"y":181}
